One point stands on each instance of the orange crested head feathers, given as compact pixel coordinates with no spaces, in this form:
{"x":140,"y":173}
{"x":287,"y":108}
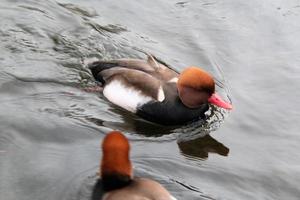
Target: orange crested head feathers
{"x":115,"y":159}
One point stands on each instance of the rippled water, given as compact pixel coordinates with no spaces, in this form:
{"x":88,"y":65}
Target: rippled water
{"x":51,"y":128}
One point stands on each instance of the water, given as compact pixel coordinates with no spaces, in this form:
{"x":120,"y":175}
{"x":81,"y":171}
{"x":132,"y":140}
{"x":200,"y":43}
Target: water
{"x":51,"y":128}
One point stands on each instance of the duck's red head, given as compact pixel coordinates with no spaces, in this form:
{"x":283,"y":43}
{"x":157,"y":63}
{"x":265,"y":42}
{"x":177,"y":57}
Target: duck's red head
{"x":196,"y":86}
{"x":115,"y":160}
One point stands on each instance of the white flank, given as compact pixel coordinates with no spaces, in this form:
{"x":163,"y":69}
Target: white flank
{"x":161,"y":94}
{"x":127,"y":98}
{"x":173,"y":198}
{"x":173,"y":80}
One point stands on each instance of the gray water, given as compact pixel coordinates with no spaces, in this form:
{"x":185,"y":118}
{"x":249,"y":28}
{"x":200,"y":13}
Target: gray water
{"x":51,"y":128}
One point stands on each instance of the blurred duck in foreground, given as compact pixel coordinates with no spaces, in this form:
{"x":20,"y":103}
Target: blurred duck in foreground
{"x":117,"y":176}
{"x":154,"y":91}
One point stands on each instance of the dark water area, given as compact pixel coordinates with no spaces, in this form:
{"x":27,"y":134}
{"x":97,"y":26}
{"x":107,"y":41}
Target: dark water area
{"x":51,"y":128}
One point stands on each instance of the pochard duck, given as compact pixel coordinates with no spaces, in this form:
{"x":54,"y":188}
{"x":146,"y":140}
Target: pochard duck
{"x":156,"y":92}
{"x":117,"y":177}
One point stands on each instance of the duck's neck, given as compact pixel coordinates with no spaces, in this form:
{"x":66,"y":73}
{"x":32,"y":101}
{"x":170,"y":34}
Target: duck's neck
{"x":115,"y":181}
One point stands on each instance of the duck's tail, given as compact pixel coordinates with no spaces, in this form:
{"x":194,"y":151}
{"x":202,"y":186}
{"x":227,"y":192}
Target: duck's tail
{"x":100,"y":65}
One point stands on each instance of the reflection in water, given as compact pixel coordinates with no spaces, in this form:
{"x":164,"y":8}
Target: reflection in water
{"x":133,"y":124}
{"x":214,"y":118}
{"x":193,"y":139}
{"x":201,"y":147}
{"x":188,"y":144}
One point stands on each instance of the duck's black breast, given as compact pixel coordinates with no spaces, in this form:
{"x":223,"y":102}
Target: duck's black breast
{"x":171,"y":111}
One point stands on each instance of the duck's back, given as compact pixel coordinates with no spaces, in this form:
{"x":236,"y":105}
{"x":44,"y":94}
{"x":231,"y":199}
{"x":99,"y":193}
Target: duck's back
{"x":140,"y":189}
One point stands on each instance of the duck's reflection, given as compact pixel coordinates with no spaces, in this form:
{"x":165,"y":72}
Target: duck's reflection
{"x":198,"y":148}
{"x":201,"y":147}
{"x":133,"y":124}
